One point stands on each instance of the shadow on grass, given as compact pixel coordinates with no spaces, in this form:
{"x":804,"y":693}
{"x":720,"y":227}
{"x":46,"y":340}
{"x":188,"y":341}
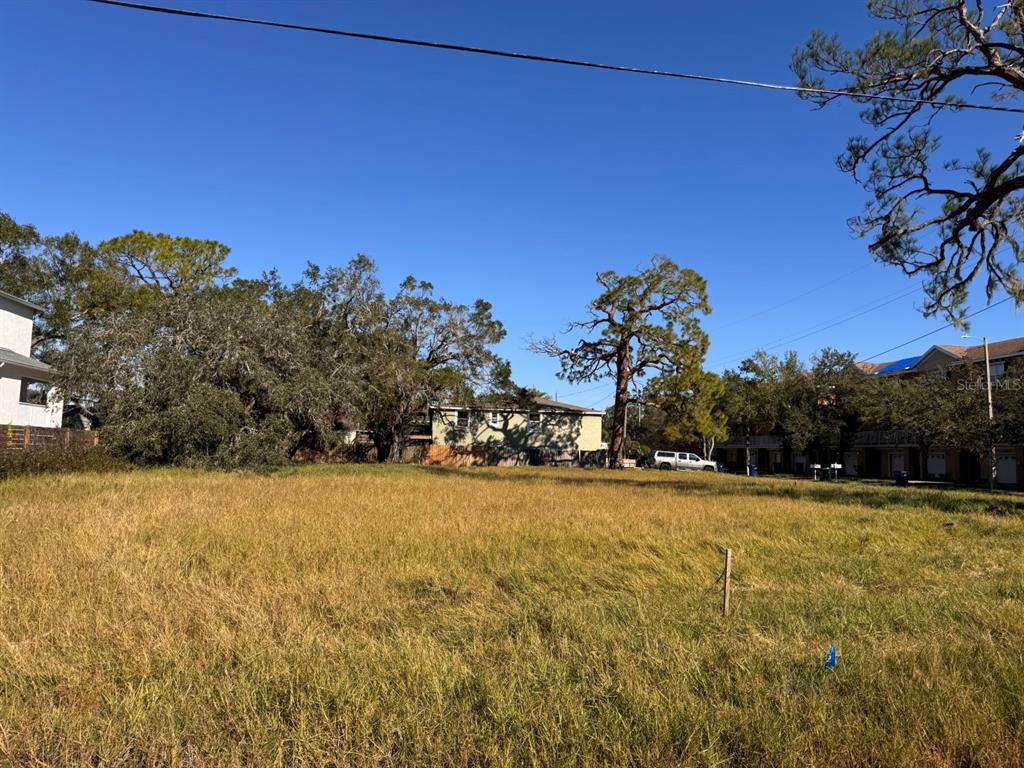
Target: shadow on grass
{"x":697,"y":484}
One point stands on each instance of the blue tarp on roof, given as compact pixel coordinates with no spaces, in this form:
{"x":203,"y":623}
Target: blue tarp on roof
{"x":899,"y":366}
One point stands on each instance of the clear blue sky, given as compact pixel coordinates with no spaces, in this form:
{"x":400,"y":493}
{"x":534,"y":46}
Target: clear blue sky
{"x":515,"y":182}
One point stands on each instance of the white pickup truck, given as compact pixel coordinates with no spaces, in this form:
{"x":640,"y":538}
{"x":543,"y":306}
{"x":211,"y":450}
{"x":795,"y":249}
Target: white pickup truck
{"x":673,"y":460}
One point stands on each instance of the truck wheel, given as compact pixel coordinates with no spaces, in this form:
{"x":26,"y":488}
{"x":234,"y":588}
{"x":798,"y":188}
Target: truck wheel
{"x":709,"y":469}
{"x":665,"y":465}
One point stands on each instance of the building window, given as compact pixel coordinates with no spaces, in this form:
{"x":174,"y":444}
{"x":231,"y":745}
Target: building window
{"x":462,"y":419}
{"x":495,"y":419}
{"x":34,"y":392}
{"x":533,"y":422}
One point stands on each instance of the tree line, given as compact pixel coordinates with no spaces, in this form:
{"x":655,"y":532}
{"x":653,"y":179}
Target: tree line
{"x":158,"y":341}
{"x":820,"y":407}
{"x":180,"y":360}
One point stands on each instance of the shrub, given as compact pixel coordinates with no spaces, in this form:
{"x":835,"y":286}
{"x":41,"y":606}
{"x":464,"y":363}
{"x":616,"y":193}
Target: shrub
{"x":58,"y":459}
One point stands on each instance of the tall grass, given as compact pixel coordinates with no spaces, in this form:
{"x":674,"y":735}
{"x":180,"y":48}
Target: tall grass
{"x":413,"y":616}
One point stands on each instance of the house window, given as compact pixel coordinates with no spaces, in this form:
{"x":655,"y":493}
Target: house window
{"x":34,"y":392}
{"x":996,"y":370}
{"x":494,"y":419}
{"x":462,"y":419}
{"x":533,"y":422}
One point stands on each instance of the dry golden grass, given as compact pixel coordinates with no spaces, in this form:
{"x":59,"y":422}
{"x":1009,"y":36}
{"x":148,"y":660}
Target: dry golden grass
{"x":416,"y":616}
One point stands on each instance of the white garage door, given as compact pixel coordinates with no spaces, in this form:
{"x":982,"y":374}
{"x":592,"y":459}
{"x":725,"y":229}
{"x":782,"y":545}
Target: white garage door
{"x":936,"y":464}
{"x":1006,"y":469}
{"x":896,"y":462}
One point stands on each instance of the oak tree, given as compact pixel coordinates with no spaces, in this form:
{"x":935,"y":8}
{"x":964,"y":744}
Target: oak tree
{"x":640,"y":324}
{"x":419,"y":350}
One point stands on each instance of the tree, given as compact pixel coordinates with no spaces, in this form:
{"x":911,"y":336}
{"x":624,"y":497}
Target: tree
{"x":963,"y":412}
{"x":645,"y":427}
{"x":51,"y":271}
{"x":166,"y":263}
{"x":771,"y":395}
{"x":1008,"y":396}
{"x":639,"y":324}
{"x":419,"y":350}
{"x":185,"y":367}
{"x":838,"y":399}
{"x":189,"y":365}
{"x":692,"y":409}
{"x":950,"y":221}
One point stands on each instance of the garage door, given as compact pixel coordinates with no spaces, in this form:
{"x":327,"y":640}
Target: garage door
{"x":936,"y":464}
{"x":1006,"y":469}
{"x":896,"y":462}
{"x":850,"y":460}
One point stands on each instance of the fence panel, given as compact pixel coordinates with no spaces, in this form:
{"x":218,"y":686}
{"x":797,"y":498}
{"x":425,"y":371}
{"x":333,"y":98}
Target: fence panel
{"x":17,"y":438}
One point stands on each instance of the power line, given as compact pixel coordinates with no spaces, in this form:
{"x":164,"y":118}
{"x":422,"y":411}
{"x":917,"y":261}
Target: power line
{"x":828,"y":325}
{"x":932,"y":333}
{"x":799,"y":296}
{"x":604,"y":385}
{"x":552,"y":59}
{"x":832,"y":325}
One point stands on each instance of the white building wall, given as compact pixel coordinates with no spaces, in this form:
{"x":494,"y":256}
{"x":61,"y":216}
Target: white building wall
{"x":10,"y":394}
{"x":15,"y":327}
{"x":14,"y":412}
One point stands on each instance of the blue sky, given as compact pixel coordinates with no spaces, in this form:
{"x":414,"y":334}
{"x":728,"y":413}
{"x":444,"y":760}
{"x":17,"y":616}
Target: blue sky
{"x":515,"y":182}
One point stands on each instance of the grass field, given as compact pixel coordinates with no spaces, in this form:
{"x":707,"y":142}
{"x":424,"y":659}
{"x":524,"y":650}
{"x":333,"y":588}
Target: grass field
{"x":416,"y":616}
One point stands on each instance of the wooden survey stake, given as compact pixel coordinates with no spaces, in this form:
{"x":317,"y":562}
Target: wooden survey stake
{"x":726,"y":582}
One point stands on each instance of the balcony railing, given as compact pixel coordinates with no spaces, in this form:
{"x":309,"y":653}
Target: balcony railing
{"x":884,"y":437}
{"x":31,"y":415}
{"x":757,"y":441}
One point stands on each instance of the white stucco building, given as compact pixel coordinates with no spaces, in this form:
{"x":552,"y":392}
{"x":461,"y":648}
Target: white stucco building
{"x":26,"y":398}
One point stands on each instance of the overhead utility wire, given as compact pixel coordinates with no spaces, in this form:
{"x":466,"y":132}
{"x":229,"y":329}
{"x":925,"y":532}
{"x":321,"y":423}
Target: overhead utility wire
{"x":883,"y":352}
{"x":905,"y":343}
{"x":828,"y":325}
{"x":605,"y":385}
{"x":932,"y":333}
{"x":799,"y":296}
{"x":552,"y":59}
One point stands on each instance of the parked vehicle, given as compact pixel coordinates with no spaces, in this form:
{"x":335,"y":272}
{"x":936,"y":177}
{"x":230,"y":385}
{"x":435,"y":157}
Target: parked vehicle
{"x":673,"y":460}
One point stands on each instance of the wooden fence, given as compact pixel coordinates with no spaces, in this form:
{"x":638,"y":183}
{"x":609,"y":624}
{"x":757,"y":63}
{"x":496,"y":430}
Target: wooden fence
{"x":469,"y":457}
{"x":33,"y":438}
{"x":504,"y":456}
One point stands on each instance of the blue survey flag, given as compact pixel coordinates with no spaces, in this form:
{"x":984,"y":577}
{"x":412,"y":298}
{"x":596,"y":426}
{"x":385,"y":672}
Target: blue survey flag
{"x":830,"y":662}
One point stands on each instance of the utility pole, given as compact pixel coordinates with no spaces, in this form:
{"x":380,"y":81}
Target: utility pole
{"x":992,"y":470}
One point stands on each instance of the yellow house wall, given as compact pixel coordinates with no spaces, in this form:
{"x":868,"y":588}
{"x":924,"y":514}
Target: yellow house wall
{"x":590,"y":434}
{"x":559,"y":430}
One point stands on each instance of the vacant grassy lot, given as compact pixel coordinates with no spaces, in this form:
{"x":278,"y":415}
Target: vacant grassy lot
{"x":417,"y":616}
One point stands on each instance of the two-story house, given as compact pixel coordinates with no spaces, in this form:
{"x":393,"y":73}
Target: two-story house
{"x":542,"y":430}
{"x":881,"y":453}
{"x":26,"y":397}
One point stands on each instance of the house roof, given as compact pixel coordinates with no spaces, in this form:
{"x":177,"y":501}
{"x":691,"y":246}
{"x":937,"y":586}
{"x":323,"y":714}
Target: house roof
{"x":898,"y":366}
{"x":996,"y":349}
{"x":542,"y":403}
{"x":872,"y":367}
{"x":546,"y":402}
{"x":947,"y":354}
{"x":23,"y":361}
{"x":953,"y":349}
{"x":19,"y":300}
